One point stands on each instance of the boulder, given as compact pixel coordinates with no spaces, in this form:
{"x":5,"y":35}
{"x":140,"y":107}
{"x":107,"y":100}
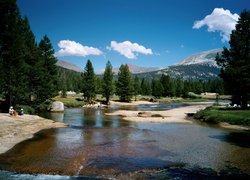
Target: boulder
{"x":57,"y":106}
{"x":144,"y":114}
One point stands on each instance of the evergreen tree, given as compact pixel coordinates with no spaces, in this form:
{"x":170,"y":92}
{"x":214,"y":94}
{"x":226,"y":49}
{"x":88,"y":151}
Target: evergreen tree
{"x":107,"y":83}
{"x":48,"y":74}
{"x":99,"y":83}
{"x":89,"y":82}
{"x":198,"y":87}
{"x":187,"y":88}
{"x":179,"y":88}
{"x":13,"y":50}
{"x":235,"y":62}
{"x":33,"y":60}
{"x":172,"y":88}
{"x":165,"y":81}
{"x":137,"y":88}
{"x":145,"y":87}
{"x":69,"y":80}
{"x":124,"y":86}
{"x":157,"y":89}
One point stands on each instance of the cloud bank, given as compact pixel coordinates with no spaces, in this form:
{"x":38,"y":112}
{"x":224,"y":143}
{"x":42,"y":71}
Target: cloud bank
{"x":128,"y":49}
{"x":220,"y":20}
{"x":72,"y":48}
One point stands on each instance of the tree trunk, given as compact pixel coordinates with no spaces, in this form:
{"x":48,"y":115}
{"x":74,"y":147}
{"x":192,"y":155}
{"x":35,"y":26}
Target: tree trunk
{"x":244,"y":101}
{"x":107,"y":100}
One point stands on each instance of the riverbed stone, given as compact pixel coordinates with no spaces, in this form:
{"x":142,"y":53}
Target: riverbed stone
{"x":57,"y":106}
{"x":144,"y":114}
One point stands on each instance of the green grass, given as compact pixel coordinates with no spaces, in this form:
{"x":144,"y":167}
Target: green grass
{"x":181,"y":100}
{"x":70,"y":101}
{"x":216,"y":114}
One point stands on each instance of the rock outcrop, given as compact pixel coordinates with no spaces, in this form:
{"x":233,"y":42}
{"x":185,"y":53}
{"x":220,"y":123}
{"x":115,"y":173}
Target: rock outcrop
{"x":57,"y":106}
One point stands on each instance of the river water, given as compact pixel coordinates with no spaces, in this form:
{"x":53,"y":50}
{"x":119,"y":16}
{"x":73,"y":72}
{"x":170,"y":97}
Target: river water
{"x":99,"y":146}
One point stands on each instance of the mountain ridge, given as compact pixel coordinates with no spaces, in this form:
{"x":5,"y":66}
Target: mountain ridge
{"x":200,"y":65}
{"x":134,"y":69}
{"x":204,"y":57}
{"x":68,"y":65}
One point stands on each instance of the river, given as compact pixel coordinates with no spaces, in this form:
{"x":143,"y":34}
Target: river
{"x":99,"y":146}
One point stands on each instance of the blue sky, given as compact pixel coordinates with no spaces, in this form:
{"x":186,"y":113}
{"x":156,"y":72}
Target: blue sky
{"x":149,"y":33}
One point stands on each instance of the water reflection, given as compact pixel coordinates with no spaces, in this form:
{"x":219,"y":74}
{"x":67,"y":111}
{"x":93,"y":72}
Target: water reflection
{"x":236,"y":138}
{"x":95,"y":144}
{"x":57,"y":116}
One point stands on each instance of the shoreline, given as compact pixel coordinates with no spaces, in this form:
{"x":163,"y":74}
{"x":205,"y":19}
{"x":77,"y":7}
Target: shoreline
{"x":132,"y":103}
{"x":15,"y":129}
{"x":232,"y":126}
{"x":176,"y":115}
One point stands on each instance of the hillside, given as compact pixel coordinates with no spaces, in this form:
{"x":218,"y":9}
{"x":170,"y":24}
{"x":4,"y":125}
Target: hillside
{"x":202,"y":58}
{"x":134,"y":69}
{"x":68,"y":65}
{"x":197,"y":66}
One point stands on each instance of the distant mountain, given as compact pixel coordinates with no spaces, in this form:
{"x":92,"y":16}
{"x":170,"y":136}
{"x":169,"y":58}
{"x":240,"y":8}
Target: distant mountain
{"x":202,"y":58}
{"x":68,"y":65}
{"x":197,"y":66}
{"x":134,"y":69}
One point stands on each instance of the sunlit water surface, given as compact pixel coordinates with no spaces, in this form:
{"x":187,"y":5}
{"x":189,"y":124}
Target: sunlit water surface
{"x":99,"y":146}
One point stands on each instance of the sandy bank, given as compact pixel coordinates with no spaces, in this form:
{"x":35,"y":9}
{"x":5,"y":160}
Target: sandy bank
{"x":16,"y":129}
{"x":132,"y":103}
{"x":231,"y":126}
{"x":177,"y":115}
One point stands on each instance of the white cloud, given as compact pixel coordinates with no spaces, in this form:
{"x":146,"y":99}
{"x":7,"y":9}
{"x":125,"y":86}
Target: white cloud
{"x":72,"y":48}
{"x":220,"y":20}
{"x":128,"y":49}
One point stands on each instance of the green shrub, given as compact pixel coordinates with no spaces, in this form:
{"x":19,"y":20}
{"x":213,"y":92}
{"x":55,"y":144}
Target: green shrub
{"x":156,"y":115}
{"x":26,"y":109}
{"x":216,"y":114}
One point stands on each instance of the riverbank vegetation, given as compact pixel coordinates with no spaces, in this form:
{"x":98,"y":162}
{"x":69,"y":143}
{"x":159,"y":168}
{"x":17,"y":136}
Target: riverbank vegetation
{"x":235,"y":62}
{"x":217,"y":114}
{"x":235,"y":72}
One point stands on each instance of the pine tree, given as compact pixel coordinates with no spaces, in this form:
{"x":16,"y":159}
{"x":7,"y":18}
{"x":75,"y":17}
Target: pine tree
{"x":157,"y":89}
{"x":235,"y":62}
{"x":172,"y":87}
{"x":99,"y":83}
{"x":124,"y":86}
{"x":33,"y":60}
{"x":89,"y":84}
{"x":180,"y":87}
{"x":145,"y":87}
{"x":165,"y":81}
{"x":136,"y":88}
{"x":49,"y":73}
{"x":107,"y":83}
{"x":13,"y":50}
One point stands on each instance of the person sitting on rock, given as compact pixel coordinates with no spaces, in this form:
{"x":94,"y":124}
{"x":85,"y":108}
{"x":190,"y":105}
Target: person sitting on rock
{"x":21,"y":112}
{"x":11,"y":111}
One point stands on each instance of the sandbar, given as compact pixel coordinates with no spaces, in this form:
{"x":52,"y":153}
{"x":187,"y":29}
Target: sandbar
{"x":132,"y":103}
{"x":177,"y":115}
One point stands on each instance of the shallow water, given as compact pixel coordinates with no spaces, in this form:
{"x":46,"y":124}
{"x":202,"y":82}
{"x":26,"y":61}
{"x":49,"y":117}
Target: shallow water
{"x":95,"y":145}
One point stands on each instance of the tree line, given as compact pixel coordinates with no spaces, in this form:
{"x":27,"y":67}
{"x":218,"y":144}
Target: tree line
{"x":27,"y":68}
{"x":128,"y":86}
